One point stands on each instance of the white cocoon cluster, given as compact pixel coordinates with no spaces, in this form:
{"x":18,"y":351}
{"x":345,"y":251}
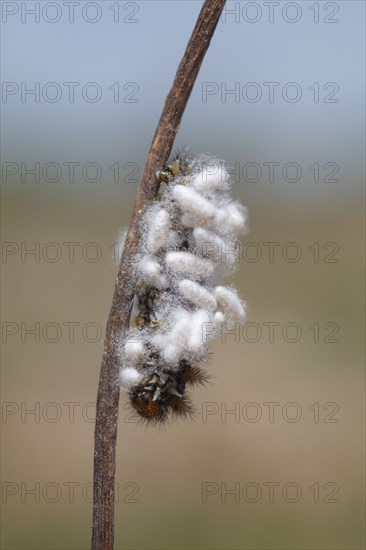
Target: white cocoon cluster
{"x":188,"y":243}
{"x":185,"y":338}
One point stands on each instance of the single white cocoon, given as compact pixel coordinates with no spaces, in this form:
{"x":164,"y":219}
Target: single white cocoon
{"x":158,"y":230}
{"x":211,"y":178}
{"x":198,"y":330}
{"x":230,"y":303}
{"x":173,"y":344}
{"x":150,"y":270}
{"x":197,"y":294}
{"x":189,"y":264}
{"x":129,"y":377}
{"x":133,"y":350}
{"x":237,"y":215}
{"x":193,"y":203}
{"x":231,"y":218}
{"x":209,"y":244}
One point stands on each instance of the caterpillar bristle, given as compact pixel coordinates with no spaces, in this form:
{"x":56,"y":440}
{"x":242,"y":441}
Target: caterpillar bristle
{"x":194,"y":375}
{"x":180,"y":405}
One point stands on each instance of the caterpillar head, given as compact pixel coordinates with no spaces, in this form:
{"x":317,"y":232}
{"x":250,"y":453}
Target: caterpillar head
{"x":163,"y":392}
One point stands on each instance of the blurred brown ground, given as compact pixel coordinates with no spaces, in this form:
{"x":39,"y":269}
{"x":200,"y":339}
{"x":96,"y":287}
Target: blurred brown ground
{"x":163,"y":470}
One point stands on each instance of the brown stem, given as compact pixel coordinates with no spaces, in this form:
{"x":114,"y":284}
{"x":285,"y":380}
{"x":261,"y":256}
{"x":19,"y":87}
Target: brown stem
{"x":119,"y":316}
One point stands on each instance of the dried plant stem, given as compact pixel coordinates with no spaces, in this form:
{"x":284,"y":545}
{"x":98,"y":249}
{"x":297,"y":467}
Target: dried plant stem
{"x":118,"y":321}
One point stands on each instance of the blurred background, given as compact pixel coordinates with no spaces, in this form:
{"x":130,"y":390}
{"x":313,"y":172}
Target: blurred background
{"x":274,"y":459}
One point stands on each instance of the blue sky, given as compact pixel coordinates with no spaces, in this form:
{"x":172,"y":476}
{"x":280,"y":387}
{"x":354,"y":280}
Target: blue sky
{"x":311,"y":50}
